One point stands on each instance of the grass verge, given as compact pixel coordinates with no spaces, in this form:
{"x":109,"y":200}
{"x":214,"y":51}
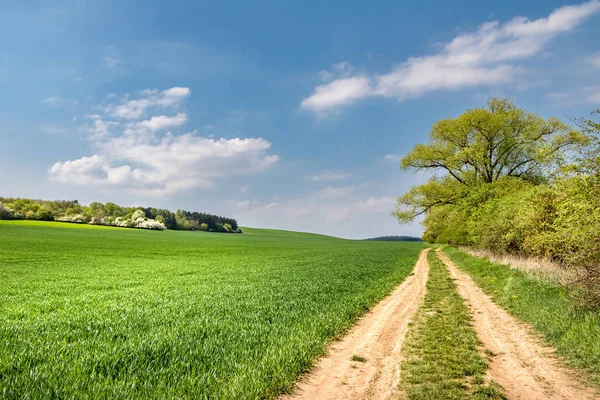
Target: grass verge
{"x":545,"y":306}
{"x":443,"y":359}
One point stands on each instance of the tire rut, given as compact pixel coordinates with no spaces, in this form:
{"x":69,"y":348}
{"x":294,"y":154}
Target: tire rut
{"x":378,"y":337}
{"x":524,"y":366}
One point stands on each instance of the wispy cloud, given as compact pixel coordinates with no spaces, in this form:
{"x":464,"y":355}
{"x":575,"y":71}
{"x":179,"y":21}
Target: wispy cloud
{"x":329,"y":176}
{"x":589,"y":95}
{"x":110,"y":62}
{"x":149,"y":98}
{"x":487,"y":56}
{"x":56,"y":101}
{"x":333,"y":192}
{"x":53,"y":130}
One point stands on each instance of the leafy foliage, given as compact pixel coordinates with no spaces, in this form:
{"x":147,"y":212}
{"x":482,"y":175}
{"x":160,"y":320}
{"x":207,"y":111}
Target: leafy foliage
{"x":396,"y":239}
{"x":114,"y":215}
{"x":516,"y":183}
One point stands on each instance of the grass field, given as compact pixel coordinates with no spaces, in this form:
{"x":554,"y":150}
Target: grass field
{"x":98,"y":312}
{"x":443,"y":355}
{"x":575,"y":333}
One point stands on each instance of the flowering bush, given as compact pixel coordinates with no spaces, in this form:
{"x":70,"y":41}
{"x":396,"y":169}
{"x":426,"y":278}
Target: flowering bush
{"x":77,"y":218}
{"x":137,"y":220}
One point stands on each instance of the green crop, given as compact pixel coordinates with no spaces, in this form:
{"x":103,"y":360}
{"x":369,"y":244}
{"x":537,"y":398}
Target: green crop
{"x":96,"y":312}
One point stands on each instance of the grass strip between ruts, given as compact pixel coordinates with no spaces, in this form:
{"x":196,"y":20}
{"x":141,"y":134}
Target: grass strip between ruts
{"x":575,"y":333}
{"x":443,"y":357}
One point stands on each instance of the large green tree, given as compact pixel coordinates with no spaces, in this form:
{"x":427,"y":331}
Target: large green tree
{"x":482,"y":146}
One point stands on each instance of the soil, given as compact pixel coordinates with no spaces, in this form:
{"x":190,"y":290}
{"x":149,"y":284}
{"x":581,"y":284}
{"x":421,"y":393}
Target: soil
{"x":525,"y":367}
{"x":376,"y":344}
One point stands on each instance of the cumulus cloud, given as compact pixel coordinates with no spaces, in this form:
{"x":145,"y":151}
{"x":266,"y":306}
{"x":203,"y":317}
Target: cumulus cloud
{"x":157,"y":123}
{"x":138,"y":157}
{"x":487,"y":56}
{"x":149,"y":98}
{"x":329,"y":176}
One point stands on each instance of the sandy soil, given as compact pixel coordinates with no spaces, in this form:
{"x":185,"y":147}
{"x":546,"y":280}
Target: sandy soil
{"x":378,"y":337}
{"x":522,"y":365}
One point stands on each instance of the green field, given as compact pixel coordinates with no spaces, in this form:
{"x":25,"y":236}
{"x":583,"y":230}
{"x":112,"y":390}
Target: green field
{"x":99,"y":312}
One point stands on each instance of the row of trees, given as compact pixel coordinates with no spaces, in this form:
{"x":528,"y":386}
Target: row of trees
{"x":396,"y":239}
{"x":114,"y":215}
{"x":510,"y":181}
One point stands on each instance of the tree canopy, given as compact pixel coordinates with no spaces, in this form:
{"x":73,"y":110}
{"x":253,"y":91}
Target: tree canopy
{"x":509,"y":181}
{"x":484,"y":145}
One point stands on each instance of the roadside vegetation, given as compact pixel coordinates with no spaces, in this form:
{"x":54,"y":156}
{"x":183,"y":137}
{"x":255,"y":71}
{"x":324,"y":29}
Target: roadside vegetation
{"x":443,"y":357}
{"x":510,"y":181}
{"x":96,"y":312}
{"x":111,"y":214}
{"x":544,"y":305}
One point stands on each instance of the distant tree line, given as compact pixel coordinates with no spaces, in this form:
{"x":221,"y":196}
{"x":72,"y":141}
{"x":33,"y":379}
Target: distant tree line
{"x":513,"y":182}
{"x":396,"y":239}
{"x":113,"y":215}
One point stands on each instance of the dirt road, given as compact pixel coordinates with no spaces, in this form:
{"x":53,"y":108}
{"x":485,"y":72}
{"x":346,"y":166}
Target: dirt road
{"x":378,"y":337}
{"x":523,"y":365}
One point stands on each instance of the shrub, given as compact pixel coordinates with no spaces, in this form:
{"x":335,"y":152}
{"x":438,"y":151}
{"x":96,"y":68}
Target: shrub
{"x":6,"y":212}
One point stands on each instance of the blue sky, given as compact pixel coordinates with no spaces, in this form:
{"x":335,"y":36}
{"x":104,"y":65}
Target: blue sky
{"x":280,"y":114}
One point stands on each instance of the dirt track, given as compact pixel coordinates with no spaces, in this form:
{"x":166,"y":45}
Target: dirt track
{"x":378,"y":337}
{"x":523,"y":366}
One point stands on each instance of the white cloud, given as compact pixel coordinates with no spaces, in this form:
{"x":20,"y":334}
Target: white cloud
{"x":160,"y":166}
{"x":99,"y":128}
{"x":383,"y":203}
{"x":487,"y":56}
{"x":56,"y":101}
{"x":339,"y":92}
{"x":332,"y":192}
{"x":392,"y":157}
{"x":158,"y":123}
{"x":243,"y":204}
{"x":110,"y":62}
{"x":149,"y":98}
{"x":329,"y":176}
{"x":348,"y":213}
{"x":244,"y":189}
{"x":135,"y":157}
{"x":590,"y":95}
